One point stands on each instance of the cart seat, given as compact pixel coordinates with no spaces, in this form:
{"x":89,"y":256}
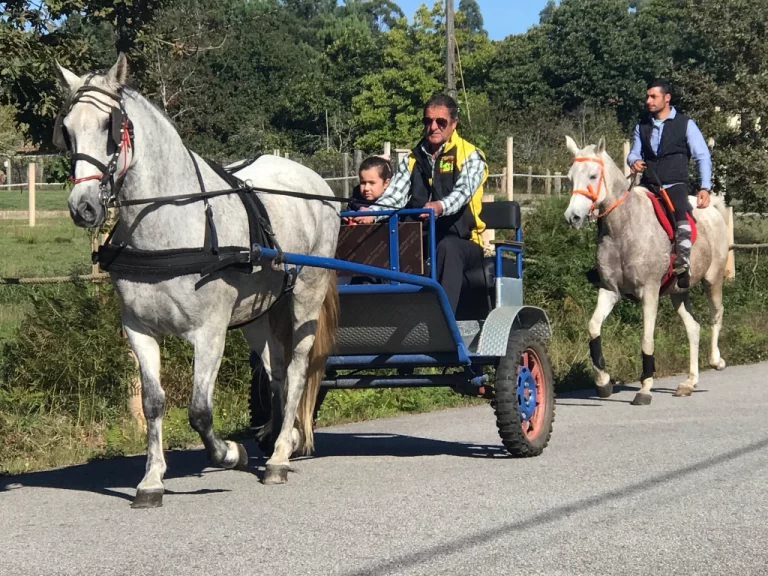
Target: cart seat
{"x":482,"y":277}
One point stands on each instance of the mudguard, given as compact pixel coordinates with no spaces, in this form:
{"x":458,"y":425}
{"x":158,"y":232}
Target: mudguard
{"x":503,"y":320}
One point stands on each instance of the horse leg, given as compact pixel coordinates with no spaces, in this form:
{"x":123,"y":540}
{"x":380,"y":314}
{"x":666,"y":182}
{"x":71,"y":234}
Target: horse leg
{"x":149,"y":493}
{"x":682,"y":304}
{"x":715,"y":298}
{"x":650,"y":309}
{"x":209,"y":348}
{"x":606,"y":300}
{"x":309,"y":320}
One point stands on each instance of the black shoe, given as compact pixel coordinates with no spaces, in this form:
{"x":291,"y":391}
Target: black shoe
{"x":593,"y":277}
{"x":683,"y":278}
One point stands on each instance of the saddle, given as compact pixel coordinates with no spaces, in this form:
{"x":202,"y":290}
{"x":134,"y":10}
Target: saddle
{"x":666,"y":216}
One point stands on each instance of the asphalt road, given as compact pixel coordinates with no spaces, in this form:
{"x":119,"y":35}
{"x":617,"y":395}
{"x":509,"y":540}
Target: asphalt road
{"x":678,"y":487}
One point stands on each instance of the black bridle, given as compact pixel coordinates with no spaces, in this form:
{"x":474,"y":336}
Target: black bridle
{"x":121,"y":132}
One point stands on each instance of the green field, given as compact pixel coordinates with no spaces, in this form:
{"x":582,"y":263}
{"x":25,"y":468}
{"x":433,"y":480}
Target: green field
{"x":45,"y":199}
{"x":53,"y":247}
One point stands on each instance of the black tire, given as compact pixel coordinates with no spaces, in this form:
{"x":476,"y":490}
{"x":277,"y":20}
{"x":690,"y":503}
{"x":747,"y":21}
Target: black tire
{"x":509,"y":416}
{"x":261,"y":408}
{"x":260,"y":404}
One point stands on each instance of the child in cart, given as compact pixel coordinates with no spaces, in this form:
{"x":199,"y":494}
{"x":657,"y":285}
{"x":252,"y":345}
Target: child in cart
{"x":375,"y":174}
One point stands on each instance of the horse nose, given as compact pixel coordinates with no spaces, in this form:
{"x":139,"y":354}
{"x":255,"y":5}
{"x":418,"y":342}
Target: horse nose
{"x":84,"y":214}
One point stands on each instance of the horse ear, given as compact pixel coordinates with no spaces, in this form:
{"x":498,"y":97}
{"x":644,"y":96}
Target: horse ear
{"x":572,"y":146}
{"x":66,"y":79}
{"x":601,"y":146}
{"x":118,"y":74}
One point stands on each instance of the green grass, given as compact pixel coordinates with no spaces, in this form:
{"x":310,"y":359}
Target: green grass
{"x":45,"y":199}
{"x":54,"y":247}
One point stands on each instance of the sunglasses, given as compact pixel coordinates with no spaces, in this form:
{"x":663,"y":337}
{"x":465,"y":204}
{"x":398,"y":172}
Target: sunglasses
{"x":442,"y":123}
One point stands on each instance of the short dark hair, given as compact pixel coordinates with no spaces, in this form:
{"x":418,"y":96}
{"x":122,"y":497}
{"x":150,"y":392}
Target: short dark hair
{"x":443,"y":100}
{"x":382,"y":164}
{"x":662,"y":85}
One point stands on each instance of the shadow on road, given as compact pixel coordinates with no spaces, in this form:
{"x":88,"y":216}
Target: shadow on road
{"x":118,"y":477}
{"x":329,"y":444}
{"x":110,"y":477}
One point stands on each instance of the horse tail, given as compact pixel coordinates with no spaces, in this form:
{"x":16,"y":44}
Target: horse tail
{"x":718,"y":202}
{"x":325,"y":339}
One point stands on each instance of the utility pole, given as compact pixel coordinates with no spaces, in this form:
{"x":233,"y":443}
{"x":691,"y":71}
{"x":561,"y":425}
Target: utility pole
{"x":450,"y":51}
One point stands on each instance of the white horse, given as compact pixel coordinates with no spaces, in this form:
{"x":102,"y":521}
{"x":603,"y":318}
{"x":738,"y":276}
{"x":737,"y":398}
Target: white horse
{"x":125,"y":149}
{"x":633,"y":257}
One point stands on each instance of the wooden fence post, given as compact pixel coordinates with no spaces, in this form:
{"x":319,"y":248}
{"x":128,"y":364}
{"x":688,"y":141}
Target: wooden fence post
{"x":548,"y":185}
{"x":345,"y":161}
{"x":558,"y":182}
{"x":530,"y":180}
{"x":625,"y":156}
{"x":488,"y":235}
{"x":503,"y":187}
{"x":730,"y":263}
{"x":510,"y":168}
{"x":32,"y":200}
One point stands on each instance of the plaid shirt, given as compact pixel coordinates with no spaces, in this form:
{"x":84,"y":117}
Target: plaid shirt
{"x":397,"y":193}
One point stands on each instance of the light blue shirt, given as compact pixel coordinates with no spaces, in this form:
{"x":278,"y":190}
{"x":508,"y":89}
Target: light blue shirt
{"x":696,"y":144}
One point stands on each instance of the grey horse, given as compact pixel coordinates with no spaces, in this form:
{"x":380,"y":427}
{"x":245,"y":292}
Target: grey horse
{"x":633,"y":257}
{"x":293,"y":334}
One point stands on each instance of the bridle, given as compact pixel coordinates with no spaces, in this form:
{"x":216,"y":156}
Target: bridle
{"x":593,"y":194}
{"x":121,"y":131}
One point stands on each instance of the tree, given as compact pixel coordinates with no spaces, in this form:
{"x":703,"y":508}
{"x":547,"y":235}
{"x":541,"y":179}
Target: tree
{"x":473,"y":18}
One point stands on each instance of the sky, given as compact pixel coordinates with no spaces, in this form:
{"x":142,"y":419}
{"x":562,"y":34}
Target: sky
{"x":502,"y":17}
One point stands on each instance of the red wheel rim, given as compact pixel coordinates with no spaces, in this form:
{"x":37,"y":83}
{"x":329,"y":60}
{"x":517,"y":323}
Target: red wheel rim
{"x":533,"y":426}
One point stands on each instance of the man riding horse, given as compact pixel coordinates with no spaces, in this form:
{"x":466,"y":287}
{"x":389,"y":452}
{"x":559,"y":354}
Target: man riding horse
{"x":446,"y":173}
{"x":663,"y":144}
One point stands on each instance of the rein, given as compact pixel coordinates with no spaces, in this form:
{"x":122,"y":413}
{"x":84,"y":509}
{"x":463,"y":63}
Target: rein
{"x":595,"y":195}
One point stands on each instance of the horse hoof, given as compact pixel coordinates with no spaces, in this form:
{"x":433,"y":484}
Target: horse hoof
{"x":148,"y":499}
{"x":642,"y":399}
{"x":684,"y":390}
{"x":604,"y":391}
{"x":276,"y":474}
{"x":242,"y":458}
{"x":720,"y":366}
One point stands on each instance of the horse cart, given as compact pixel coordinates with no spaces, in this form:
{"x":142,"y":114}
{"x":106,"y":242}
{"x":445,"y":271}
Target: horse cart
{"x":396,"y":327}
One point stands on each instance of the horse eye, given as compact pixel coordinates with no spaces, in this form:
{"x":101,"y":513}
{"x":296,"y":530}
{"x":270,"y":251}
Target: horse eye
{"x":593,"y":176}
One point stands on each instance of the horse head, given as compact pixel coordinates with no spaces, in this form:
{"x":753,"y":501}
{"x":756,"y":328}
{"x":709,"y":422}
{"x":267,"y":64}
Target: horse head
{"x":589,"y":181}
{"x":94,"y":128}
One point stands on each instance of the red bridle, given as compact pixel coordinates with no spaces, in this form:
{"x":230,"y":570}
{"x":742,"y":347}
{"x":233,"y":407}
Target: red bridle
{"x":125,"y":144}
{"x":593,"y":194}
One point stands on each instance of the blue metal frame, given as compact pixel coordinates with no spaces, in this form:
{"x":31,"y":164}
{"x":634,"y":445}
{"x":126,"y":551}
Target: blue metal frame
{"x":517,"y":250}
{"x":398,"y":282}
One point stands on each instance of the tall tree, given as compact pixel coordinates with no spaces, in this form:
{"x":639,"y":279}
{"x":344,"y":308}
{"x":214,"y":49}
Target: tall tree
{"x":473,"y":17}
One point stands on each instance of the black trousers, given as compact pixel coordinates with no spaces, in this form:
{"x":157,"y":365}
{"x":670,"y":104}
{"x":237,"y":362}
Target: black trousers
{"x":454,"y":257}
{"x":678,"y":194}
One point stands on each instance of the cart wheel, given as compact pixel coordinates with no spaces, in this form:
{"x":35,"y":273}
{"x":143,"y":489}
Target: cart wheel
{"x":261,"y":405}
{"x":525,"y":396}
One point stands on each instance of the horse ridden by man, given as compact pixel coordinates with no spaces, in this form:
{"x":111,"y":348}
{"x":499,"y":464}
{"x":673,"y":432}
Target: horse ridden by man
{"x":641,"y":253}
{"x":180,"y":261}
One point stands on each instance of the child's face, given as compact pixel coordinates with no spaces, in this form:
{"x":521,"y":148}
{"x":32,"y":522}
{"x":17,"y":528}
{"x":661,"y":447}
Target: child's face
{"x":372,"y":185}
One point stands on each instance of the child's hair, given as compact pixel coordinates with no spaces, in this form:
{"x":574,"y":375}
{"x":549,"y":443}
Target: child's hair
{"x":382,"y":164}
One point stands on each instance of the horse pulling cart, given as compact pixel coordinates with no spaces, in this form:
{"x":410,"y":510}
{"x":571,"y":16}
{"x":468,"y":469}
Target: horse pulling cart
{"x":396,"y":328}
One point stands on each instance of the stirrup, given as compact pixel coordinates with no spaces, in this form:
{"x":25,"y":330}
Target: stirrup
{"x":683,"y":276}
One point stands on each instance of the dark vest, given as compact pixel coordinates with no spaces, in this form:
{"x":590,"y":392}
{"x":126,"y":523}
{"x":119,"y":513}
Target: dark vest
{"x":445,"y":177}
{"x":671,"y":163}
